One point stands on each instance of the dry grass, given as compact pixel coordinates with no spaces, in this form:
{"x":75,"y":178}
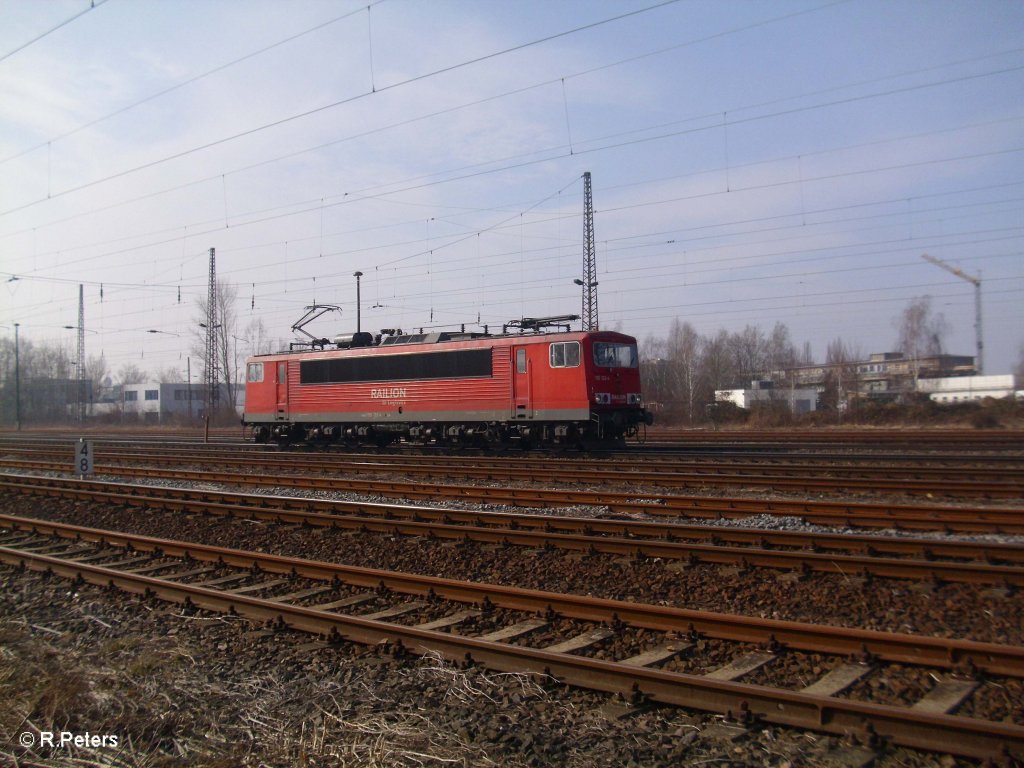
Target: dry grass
{"x":159,"y":697}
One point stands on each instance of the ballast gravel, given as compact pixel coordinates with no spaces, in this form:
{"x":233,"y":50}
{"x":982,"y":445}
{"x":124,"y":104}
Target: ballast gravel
{"x":183,"y":689}
{"x":201,"y":689}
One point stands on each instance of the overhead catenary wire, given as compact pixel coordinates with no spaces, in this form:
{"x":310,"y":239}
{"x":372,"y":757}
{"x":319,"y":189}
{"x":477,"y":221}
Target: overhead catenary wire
{"x":175,"y":285}
{"x":329,"y":22}
{"x":340,"y":102}
{"x":858,"y":255}
{"x":183,"y":83}
{"x":732,"y":307}
{"x":93,"y":4}
{"x":648,"y":204}
{"x":477,"y":102}
{"x":348,"y":200}
{"x":734,"y":121}
{"x":964,"y":212}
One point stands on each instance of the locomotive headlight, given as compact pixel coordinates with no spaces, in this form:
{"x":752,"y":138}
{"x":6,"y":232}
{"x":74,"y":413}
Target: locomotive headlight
{"x":634,"y":398}
{"x":603,"y":398}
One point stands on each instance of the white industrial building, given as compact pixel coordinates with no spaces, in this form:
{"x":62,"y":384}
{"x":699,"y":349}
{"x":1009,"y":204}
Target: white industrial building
{"x":153,"y":401}
{"x":798,"y":400}
{"x":960,"y":389}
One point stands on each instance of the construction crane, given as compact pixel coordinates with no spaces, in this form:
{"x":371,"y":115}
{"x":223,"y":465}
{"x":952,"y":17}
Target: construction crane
{"x":976,"y":282}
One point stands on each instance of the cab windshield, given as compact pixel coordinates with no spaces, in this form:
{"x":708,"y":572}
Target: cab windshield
{"x":610,"y":355}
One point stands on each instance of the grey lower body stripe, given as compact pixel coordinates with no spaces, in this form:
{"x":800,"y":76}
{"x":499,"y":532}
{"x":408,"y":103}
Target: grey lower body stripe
{"x":420,"y":417}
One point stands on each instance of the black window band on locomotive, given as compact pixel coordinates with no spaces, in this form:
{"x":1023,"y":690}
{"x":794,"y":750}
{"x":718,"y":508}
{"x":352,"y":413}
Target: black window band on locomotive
{"x":460,"y":364}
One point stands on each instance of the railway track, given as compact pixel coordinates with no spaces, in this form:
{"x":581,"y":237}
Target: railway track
{"x":913,"y":438}
{"x":606,"y":645}
{"x":928,"y":463}
{"x":801,"y":553}
{"x":1004,"y":482}
{"x":867,"y":515}
{"x":864,"y":438}
{"x":1007,"y":482}
{"x":708,"y":649}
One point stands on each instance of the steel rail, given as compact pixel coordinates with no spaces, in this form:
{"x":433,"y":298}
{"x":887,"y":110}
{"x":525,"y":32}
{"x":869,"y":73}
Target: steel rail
{"x":626,"y":469}
{"x":235,"y":505}
{"x":840,"y":465}
{"x":507,"y":529}
{"x":1010,"y":488}
{"x":686,"y":436}
{"x":635,"y":530}
{"x":946,"y":733}
{"x":651,"y":455}
{"x":939,"y":652}
{"x":860,"y":436}
{"x":930,"y":517}
{"x":961,"y":488}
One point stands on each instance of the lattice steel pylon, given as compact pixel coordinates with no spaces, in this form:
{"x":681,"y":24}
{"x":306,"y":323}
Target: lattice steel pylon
{"x":589,"y":281}
{"x":81,"y":354}
{"x":211,"y":390}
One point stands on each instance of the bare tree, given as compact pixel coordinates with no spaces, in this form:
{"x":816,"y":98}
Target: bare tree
{"x":47,"y":381}
{"x":96,"y":370}
{"x":170,"y":375}
{"x":806,"y":355}
{"x":227,"y":316}
{"x":49,"y":362}
{"x":840,"y":375}
{"x":129,"y":373}
{"x":780,"y":353}
{"x":683,"y":351}
{"x":920,"y":332}
{"x":259,"y":340}
{"x":654,"y":370}
{"x":747,"y":349}
{"x":717,"y":365}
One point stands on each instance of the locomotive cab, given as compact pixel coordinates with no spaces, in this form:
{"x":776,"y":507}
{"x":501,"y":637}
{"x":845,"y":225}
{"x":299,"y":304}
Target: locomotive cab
{"x":613,"y":385}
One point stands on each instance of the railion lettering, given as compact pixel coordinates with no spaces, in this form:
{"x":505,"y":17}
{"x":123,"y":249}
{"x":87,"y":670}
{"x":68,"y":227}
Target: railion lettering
{"x":388,"y":393}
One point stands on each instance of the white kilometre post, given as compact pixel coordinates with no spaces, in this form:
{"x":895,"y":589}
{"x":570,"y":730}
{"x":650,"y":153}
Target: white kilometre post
{"x":83,"y":458}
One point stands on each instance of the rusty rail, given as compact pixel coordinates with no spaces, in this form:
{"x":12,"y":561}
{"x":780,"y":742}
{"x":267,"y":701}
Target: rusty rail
{"x":944,"y":653}
{"x":1004,"y":483}
{"x":924,"y":517}
{"x":956,"y":735}
{"x":535,"y":531}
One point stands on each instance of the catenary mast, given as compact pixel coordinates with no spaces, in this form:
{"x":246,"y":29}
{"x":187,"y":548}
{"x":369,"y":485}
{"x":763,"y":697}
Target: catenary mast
{"x":81,"y":354}
{"x":589,"y":282}
{"x":210,"y":377}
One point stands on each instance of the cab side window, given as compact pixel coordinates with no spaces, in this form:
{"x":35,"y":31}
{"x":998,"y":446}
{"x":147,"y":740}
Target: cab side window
{"x":255,"y":372}
{"x":565,"y":354}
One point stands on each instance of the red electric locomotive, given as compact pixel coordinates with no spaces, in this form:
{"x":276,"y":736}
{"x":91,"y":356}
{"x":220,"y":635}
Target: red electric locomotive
{"x":530,"y":389}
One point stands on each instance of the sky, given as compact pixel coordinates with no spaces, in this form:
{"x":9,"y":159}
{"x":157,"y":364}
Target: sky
{"x":752,"y":163}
